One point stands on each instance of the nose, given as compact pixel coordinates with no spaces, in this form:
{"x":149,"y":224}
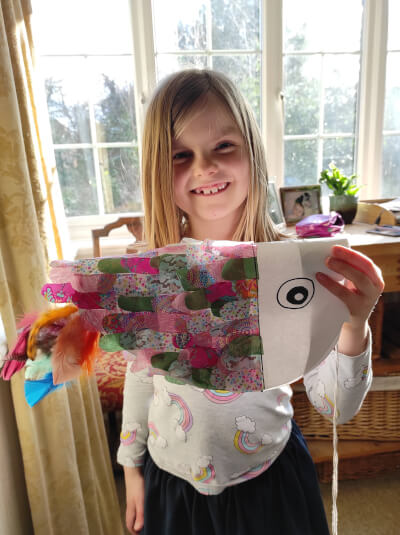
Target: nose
{"x":204,"y":166}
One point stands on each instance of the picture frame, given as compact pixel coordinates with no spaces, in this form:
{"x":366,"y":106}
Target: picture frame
{"x":274,"y":205}
{"x":300,"y":201}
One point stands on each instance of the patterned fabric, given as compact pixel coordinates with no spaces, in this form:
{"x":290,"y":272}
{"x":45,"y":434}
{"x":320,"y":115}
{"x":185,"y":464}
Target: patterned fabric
{"x":110,"y":377}
{"x":190,"y":310}
{"x":65,"y":462}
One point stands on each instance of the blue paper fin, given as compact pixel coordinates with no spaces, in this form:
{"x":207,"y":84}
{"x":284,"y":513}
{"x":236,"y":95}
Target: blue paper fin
{"x":37,"y":390}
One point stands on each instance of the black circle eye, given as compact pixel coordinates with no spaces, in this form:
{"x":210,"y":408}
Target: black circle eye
{"x":296,"y":293}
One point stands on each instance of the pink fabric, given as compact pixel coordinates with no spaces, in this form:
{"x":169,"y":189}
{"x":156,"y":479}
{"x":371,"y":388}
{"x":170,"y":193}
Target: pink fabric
{"x":91,"y":283}
{"x":218,"y":290}
{"x":58,"y":293}
{"x":201,"y":357}
{"x":139,"y":265}
{"x":320,"y":225}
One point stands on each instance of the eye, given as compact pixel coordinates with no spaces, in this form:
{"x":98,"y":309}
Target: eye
{"x":224,"y":145}
{"x":180,"y":156}
{"x":296,"y":293}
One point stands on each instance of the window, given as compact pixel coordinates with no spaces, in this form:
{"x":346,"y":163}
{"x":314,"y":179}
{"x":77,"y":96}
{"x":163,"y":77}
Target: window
{"x":214,"y":34}
{"x":391,"y":125}
{"x":101,"y":64}
{"x":87,"y":65}
{"x":321,"y":74}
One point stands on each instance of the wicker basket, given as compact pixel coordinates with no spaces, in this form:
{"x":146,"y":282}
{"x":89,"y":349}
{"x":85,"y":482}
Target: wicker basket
{"x":360,"y":467}
{"x":378,"y":419}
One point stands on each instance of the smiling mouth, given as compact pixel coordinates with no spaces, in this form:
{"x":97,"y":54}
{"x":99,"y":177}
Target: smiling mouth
{"x":214,"y":190}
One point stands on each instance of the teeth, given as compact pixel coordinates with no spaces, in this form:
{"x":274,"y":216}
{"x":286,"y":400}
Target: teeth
{"x":211,"y":190}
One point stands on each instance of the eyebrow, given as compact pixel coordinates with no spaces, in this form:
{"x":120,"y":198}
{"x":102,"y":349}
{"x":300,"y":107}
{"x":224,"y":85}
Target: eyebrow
{"x":230,"y":129}
{"x":225,"y":131}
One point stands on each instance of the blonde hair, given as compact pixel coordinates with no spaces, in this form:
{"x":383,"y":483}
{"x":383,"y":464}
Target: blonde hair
{"x":167,"y":114}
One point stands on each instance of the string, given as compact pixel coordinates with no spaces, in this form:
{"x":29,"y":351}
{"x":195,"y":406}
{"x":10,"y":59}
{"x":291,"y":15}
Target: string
{"x":335,"y":460}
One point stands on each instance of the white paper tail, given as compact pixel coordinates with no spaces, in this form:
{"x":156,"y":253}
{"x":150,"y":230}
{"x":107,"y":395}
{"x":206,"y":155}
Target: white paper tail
{"x":335,"y":460}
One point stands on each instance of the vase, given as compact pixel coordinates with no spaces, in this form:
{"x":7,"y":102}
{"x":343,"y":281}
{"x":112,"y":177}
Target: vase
{"x":346,"y":205}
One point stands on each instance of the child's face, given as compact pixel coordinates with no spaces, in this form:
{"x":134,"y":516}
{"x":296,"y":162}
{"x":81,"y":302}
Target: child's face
{"x":210,"y":153}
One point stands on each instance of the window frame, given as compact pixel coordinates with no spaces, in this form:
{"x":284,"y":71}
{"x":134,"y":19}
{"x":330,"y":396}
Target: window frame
{"x":369,"y":131}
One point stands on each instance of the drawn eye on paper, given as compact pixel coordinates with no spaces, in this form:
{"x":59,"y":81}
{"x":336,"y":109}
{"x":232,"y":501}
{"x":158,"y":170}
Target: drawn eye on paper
{"x":296,"y":293}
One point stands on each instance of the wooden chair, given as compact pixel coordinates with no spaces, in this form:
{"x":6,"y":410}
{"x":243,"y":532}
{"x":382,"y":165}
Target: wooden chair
{"x":110,"y":368}
{"x":133,"y":223}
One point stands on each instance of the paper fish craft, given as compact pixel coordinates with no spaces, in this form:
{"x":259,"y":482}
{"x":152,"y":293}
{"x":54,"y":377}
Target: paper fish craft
{"x":220,"y":315}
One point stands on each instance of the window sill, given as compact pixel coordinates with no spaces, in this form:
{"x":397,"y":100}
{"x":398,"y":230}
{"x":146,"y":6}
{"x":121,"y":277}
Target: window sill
{"x":80,"y":232}
{"x":108,"y":247}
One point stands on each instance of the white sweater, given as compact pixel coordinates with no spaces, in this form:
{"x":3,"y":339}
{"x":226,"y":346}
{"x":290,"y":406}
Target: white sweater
{"x":214,"y":439}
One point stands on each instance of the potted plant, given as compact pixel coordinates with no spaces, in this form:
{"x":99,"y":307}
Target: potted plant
{"x":344,"y":197}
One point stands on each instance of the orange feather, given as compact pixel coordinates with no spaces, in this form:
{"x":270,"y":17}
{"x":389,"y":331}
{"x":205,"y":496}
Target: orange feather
{"x":44,"y":319}
{"x":75,"y":349}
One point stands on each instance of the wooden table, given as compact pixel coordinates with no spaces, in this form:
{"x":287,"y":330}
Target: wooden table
{"x":383,"y":250}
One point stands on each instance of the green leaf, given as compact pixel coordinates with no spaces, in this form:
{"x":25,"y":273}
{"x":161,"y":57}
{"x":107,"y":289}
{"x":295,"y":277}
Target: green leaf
{"x":337,"y":182}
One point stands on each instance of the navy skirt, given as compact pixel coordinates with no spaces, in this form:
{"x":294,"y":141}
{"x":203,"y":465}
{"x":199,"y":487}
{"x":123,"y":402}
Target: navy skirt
{"x":284,"y":500}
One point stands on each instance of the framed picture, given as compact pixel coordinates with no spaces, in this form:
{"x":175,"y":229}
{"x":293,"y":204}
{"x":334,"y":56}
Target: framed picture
{"x":300,"y":201}
{"x":274,"y":206}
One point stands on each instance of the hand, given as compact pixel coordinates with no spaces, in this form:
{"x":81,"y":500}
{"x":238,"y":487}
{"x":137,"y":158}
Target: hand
{"x":360,"y":292}
{"x":134,"y":484}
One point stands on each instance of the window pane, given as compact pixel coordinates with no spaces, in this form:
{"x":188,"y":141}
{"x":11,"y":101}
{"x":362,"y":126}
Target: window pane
{"x":325,"y":25}
{"x":76,"y":27}
{"x":77,"y":179}
{"x":169,"y":63}
{"x":391,"y":123}
{"x":114,"y":106}
{"x":67,"y":100}
{"x":340,"y":151}
{"x":244,"y":71}
{"x":341,"y":84}
{"x":120,"y":177}
{"x":179,"y":25}
{"x":392,"y":98}
{"x":391,"y":166}
{"x":321,"y":88}
{"x":301,"y":162}
{"x":393,"y":32}
{"x":301,"y":89}
{"x":235,"y":25}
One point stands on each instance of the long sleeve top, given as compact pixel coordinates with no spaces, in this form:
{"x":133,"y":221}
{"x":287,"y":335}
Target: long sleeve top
{"x":214,"y":439}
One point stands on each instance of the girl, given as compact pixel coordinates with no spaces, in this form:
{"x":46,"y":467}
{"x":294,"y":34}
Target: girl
{"x":204,"y":177}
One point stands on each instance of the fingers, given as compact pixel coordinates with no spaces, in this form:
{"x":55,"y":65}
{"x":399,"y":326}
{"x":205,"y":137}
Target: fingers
{"x":361,"y":281}
{"x":130,"y":517}
{"x":341,"y":291}
{"x":139,"y":520}
{"x":134,"y":519}
{"x":360,"y":262}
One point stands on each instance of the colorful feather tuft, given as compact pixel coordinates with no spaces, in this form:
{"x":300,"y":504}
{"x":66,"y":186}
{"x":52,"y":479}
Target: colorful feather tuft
{"x":27,"y":320}
{"x":74,"y":350}
{"x":37,"y":369}
{"x":90,"y":351}
{"x":48,"y":317}
{"x":10,"y":367}
{"x":18,"y":352}
{"x":37,"y":390}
